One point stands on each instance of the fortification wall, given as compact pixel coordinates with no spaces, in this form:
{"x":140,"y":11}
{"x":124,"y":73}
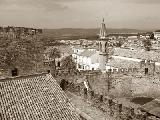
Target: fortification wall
{"x":120,"y":109}
{"x":136,"y":84}
{"x":146,"y":86}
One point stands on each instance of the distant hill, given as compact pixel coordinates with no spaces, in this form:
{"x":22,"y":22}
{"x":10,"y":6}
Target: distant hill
{"x":157,"y":31}
{"x":75,"y":33}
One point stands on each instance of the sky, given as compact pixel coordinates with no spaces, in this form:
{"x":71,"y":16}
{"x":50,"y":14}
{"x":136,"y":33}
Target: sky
{"x":136,"y":14}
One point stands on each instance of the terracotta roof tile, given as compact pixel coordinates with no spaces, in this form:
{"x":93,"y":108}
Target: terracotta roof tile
{"x":149,"y":55}
{"x":88,"y":53}
{"x":119,"y":63}
{"x":35,"y":97}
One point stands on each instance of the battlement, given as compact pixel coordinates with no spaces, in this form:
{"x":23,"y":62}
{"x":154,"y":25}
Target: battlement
{"x":17,"y":32}
{"x":123,"y":70}
{"x":144,"y":61}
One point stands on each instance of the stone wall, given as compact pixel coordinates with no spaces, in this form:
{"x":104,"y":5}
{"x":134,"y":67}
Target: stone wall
{"x":146,"y":86}
{"x":123,"y":83}
{"x":111,"y":106}
{"x":138,"y":85}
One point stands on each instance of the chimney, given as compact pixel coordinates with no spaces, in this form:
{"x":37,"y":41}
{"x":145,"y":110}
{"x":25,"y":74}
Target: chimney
{"x":48,"y":71}
{"x":14,"y":72}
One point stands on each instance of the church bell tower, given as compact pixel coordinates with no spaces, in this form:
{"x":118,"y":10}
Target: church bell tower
{"x":103,"y":47}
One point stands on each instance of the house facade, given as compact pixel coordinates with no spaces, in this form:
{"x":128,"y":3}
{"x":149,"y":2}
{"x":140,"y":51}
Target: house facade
{"x":86,"y":59}
{"x":157,"y":34}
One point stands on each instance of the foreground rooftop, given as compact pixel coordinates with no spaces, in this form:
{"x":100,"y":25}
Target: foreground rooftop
{"x":35,"y":97}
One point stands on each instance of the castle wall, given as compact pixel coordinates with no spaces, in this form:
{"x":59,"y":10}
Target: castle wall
{"x":146,"y":87}
{"x":118,"y":108}
{"x":126,"y":83}
{"x":136,"y":85}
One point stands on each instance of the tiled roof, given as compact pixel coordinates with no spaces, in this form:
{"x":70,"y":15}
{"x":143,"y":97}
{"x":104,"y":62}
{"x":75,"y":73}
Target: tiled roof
{"x":62,"y":49}
{"x":88,"y":53}
{"x":49,"y":49}
{"x":78,"y":47}
{"x":35,"y":97}
{"x":66,"y":49}
{"x":149,"y":55}
{"x":119,"y":63}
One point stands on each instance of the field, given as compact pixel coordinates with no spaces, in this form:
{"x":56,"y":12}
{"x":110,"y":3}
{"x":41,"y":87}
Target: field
{"x":77,"y":33}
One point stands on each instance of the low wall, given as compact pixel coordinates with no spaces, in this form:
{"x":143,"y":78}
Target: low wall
{"x":110,"y":105}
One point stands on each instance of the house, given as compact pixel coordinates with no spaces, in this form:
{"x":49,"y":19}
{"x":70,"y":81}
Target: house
{"x":91,"y":58}
{"x":77,"y":50}
{"x":134,"y":58}
{"x":88,"y":60}
{"x":35,"y":97}
{"x":132,"y":37}
{"x":64,"y":50}
{"x":157,"y":34}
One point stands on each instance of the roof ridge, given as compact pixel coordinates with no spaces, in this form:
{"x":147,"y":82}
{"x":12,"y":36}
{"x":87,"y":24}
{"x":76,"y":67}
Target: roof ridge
{"x":23,"y":76}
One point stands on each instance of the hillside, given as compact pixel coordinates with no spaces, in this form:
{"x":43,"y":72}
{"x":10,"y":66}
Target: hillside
{"x":75,"y":33}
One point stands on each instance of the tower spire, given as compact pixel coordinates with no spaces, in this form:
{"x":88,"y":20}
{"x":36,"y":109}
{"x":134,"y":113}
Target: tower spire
{"x":103,"y":30}
{"x":103,"y":47}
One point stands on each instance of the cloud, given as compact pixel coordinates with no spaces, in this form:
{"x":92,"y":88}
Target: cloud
{"x":47,"y":5}
{"x":139,"y":1}
{"x":80,"y":13}
{"x":2,"y":2}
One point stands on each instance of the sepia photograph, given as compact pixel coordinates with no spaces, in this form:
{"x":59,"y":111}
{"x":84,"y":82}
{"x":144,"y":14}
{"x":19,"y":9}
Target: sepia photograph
{"x":79,"y":59}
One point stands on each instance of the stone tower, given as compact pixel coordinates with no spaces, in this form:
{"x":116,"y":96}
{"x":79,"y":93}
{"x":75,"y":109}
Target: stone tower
{"x":103,"y":47}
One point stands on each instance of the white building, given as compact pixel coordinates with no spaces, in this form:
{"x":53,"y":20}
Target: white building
{"x":157,"y":34}
{"x":91,"y":59}
{"x":88,"y":60}
{"x":130,"y":57}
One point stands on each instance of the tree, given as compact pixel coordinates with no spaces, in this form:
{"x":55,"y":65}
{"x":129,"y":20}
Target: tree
{"x":53,"y":54}
{"x":68,"y":64}
{"x":152,"y":36}
{"x":20,"y":53}
{"x":147,"y":44}
{"x":119,"y":43}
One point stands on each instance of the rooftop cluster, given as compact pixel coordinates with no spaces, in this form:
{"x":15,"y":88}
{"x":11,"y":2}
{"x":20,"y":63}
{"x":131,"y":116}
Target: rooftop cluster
{"x":148,"y":55}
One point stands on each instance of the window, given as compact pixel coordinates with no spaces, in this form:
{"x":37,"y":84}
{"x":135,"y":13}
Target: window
{"x":146,"y":71}
{"x":106,"y":47}
{"x":14,"y":72}
{"x":59,"y":64}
